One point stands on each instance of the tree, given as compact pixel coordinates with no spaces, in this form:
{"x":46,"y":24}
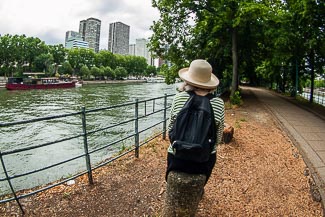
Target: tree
{"x":109,"y":72}
{"x":42,"y":63}
{"x":7,"y":58}
{"x":135,"y":65}
{"x":105,"y":58}
{"x":84,"y":72}
{"x":151,"y":71}
{"x":66,"y":68}
{"x":226,"y":33}
{"x":33,"y":48}
{"x":313,"y":31}
{"x":207,"y":29}
{"x":79,"y":57}
{"x":58,"y":52}
{"x":95,"y":71}
{"x":120,"y":73}
{"x":73,"y":59}
{"x":16,"y":50}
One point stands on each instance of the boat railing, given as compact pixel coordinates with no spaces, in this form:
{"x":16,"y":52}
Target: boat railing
{"x":143,"y":110}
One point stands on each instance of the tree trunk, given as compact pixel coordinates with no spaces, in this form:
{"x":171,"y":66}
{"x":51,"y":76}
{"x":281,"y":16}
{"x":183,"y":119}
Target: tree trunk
{"x":234,"y":85}
{"x":184,"y":192}
{"x":228,"y":133}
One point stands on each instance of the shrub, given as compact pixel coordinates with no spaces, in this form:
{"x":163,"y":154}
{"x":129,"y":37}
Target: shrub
{"x":236,"y":98}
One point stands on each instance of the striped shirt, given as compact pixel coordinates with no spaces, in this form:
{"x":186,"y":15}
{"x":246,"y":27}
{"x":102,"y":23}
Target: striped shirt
{"x":218,"y":109}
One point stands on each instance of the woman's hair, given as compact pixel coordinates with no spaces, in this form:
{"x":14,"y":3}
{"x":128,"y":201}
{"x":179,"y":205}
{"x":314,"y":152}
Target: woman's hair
{"x":187,"y":87}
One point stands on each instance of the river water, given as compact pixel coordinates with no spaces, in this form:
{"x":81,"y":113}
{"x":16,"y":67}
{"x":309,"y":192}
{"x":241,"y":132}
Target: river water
{"x":26,"y":105}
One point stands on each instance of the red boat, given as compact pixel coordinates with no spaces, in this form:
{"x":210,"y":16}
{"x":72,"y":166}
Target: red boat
{"x":38,"y":83}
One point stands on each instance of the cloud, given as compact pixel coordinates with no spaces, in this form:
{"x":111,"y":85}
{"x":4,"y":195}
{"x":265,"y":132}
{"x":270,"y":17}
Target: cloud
{"x":49,"y":20}
{"x":102,"y":7}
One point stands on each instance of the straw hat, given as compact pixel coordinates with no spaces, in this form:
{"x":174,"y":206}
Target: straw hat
{"x":199,"y":74}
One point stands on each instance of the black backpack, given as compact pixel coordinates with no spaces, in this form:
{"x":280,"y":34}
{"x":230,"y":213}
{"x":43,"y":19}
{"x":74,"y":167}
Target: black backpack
{"x":193,"y":134}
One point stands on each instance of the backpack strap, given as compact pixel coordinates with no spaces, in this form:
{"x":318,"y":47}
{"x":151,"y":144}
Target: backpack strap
{"x":191,"y":93}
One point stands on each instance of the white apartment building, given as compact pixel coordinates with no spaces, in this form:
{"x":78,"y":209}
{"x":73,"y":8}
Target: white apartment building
{"x":141,"y":49}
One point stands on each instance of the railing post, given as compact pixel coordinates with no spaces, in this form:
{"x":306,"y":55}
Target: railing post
{"x":88,"y":165}
{"x":145,"y":108}
{"x":136,"y":128}
{"x":165,"y":117}
{"x":9,"y":182}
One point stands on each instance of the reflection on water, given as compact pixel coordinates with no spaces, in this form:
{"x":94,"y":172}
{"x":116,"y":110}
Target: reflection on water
{"x":26,"y":105}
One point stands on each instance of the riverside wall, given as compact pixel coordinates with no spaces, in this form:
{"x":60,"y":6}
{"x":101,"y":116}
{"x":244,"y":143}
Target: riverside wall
{"x":114,"y":81}
{"x":3,"y":81}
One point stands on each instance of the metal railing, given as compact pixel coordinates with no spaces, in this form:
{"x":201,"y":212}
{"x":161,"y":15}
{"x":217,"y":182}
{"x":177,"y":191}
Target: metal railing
{"x":318,"y":96}
{"x":142,"y":109}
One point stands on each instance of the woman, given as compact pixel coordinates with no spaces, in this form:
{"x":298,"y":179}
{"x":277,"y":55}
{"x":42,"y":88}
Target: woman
{"x":199,"y":79}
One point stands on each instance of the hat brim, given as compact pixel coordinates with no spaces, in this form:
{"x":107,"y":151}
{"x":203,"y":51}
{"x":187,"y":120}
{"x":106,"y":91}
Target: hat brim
{"x":212,"y":84}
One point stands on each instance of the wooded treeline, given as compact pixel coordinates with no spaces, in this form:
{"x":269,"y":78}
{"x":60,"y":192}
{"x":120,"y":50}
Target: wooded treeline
{"x":261,"y":42}
{"x":19,"y":53}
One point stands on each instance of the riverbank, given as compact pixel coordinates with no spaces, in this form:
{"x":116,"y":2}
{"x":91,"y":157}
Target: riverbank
{"x":3,"y":81}
{"x":93,"y":82}
{"x":260,"y":173}
{"x":114,"y":82}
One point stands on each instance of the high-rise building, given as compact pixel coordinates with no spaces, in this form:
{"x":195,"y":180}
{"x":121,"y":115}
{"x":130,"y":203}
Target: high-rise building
{"x":142,"y":50}
{"x":74,"y":40}
{"x":118,"y":38}
{"x":90,"y":32}
{"x":132,"y":49}
{"x":70,"y":34}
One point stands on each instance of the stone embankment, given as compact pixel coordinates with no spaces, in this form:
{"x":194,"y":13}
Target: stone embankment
{"x":3,"y":81}
{"x":114,"y":81}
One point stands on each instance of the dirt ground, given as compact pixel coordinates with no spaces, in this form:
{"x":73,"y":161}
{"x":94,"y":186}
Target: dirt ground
{"x":260,"y":173}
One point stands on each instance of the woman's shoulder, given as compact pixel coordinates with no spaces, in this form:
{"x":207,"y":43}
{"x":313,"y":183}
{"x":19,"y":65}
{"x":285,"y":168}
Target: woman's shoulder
{"x":217,"y":101}
{"x":182,"y":95}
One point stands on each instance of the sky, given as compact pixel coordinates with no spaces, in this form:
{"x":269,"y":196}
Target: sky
{"x":49,"y":20}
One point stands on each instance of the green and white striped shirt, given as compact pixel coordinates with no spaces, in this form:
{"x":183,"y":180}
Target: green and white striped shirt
{"x":219,"y":115}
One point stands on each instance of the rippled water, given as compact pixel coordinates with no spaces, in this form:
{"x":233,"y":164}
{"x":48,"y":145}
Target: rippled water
{"x":26,"y":105}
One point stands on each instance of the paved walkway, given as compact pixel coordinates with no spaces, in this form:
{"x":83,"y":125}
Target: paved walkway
{"x":305,"y":127}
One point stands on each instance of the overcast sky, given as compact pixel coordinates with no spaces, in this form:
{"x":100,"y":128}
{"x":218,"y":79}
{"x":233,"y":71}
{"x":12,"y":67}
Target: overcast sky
{"x":50,"y":19}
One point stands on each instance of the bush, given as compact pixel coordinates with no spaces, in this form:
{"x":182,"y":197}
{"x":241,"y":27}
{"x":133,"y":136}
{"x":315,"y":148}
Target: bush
{"x":236,"y":98}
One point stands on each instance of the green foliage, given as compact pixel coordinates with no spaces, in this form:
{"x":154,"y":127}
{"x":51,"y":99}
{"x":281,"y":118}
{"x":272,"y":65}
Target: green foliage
{"x":42,"y":62}
{"x":95,"y":71}
{"x":66,"y":68}
{"x":106,"y":58}
{"x":236,"y":98}
{"x":21,"y":53}
{"x":170,"y":74}
{"x":135,"y":65}
{"x":84,"y":72}
{"x":150,"y":71}
{"x":318,"y":83}
{"x":16,"y":50}
{"x":120,"y":73}
{"x":109,"y":72}
{"x":262,"y":40}
{"x":58,"y":52}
